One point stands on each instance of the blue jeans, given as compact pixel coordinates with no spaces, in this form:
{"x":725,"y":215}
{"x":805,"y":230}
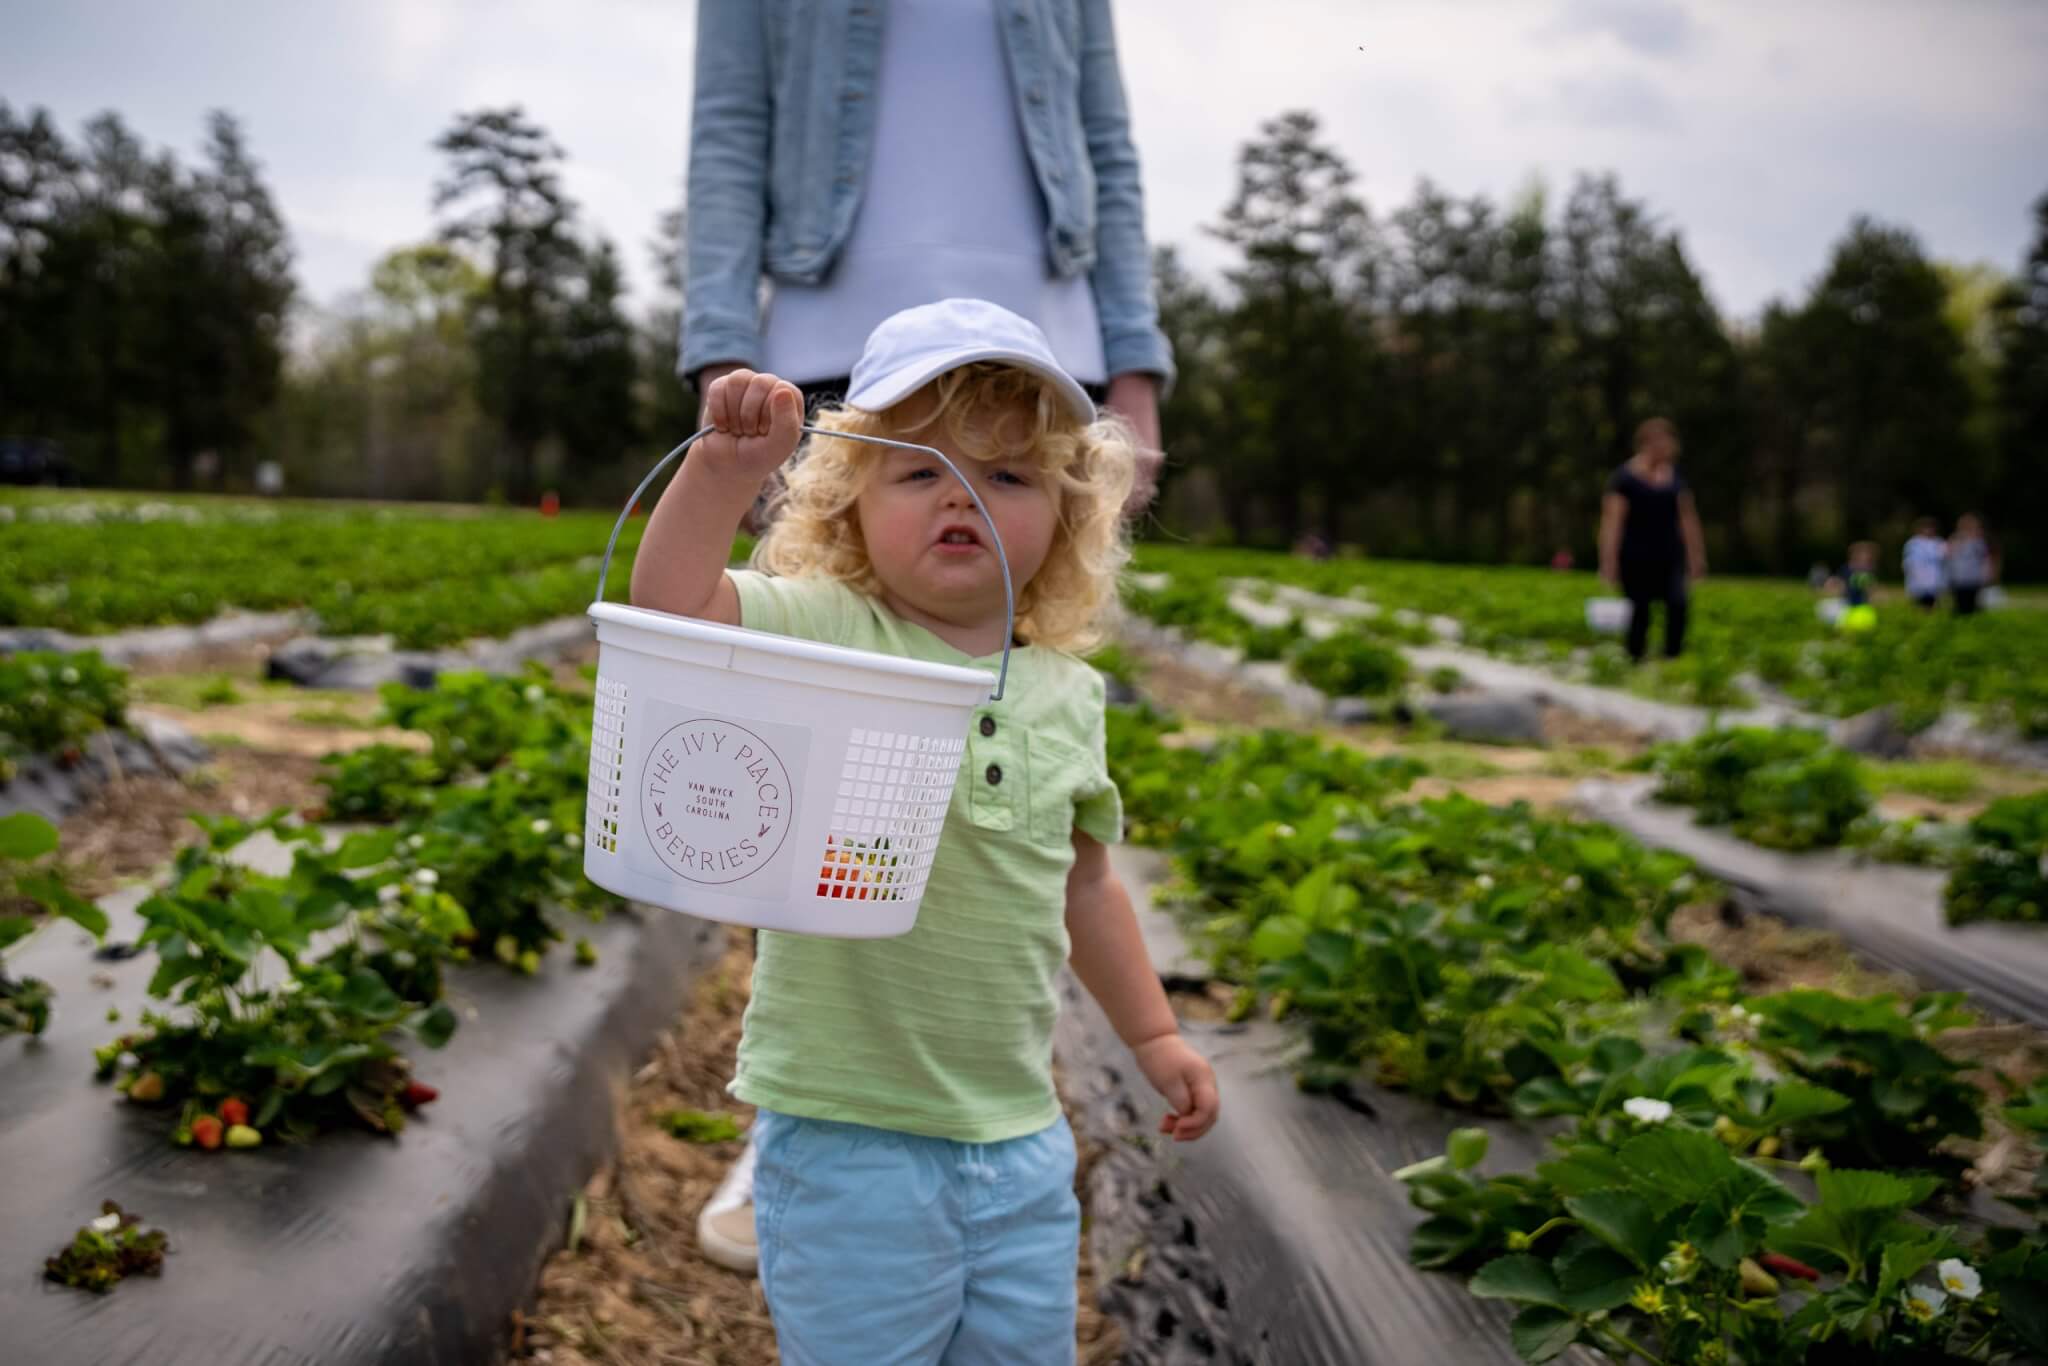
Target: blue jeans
{"x":887,"y":1249}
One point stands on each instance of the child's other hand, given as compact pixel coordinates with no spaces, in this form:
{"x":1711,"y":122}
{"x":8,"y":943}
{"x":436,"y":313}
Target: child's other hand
{"x":1186,"y":1080}
{"x":758,"y":420}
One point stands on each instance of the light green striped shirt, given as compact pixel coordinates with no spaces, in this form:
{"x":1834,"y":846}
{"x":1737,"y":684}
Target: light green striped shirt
{"x":947,"y":1030}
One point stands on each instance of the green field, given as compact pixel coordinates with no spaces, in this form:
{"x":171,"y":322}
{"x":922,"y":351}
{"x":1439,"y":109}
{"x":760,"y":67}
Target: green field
{"x":1996,"y":662}
{"x":427,"y":574}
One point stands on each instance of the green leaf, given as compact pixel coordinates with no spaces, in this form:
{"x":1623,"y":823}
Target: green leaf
{"x":1681,"y":1166}
{"x":1582,"y":1169}
{"x":49,"y":891}
{"x":1596,"y":1278}
{"x":1541,"y":1333}
{"x":1467,"y":1148}
{"x":1624,"y":1221}
{"x":1330,"y":951}
{"x":2023,"y":1305}
{"x":1905,"y":1256}
{"x":1794,"y":1102}
{"x":1441,"y":1240}
{"x":1854,"y":1192}
{"x":436,"y":1026}
{"x":366,"y":848}
{"x":1518,"y":1277}
{"x":1277,"y":938}
{"x":1547,"y":1096}
{"x":25,"y":835}
{"x":14,"y":927}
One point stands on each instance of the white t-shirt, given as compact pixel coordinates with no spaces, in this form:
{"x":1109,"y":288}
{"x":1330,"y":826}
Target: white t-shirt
{"x":1923,"y":563}
{"x":951,"y":208}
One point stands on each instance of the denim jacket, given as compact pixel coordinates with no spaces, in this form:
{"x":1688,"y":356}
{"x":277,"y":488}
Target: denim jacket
{"x":780,"y":128}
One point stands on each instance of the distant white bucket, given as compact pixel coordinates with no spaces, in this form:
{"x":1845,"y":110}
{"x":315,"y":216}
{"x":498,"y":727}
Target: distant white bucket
{"x":763,"y":780}
{"x":1608,"y":616}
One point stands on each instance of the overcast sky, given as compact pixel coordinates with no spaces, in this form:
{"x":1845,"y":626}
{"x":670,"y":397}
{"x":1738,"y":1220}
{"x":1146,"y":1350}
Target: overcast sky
{"x":1757,"y":127}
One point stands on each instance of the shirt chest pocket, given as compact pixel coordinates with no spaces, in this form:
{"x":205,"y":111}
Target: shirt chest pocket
{"x":1020,"y":783}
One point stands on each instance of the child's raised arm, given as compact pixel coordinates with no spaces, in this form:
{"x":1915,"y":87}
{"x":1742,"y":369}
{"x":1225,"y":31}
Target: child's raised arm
{"x":680,"y":568}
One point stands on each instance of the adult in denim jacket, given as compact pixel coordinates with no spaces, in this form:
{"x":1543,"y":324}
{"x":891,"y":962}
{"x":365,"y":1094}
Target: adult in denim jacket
{"x":780,"y":149}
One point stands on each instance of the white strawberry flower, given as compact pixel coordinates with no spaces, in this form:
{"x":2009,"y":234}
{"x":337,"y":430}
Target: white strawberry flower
{"x":106,"y":1223}
{"x":541,"y":827}
{"x":1574,"y":882}
{"x":1484,"y":882}
{"x":68,"y":676}
{"x":535,"y":692}
{"x":416,"y":841}
{"x":1959,"y":1278}
{"x":573,"y":840}
{"x":1646,"y":1109}
{"x":426,"y":877}
{"x":1923,"y":1303}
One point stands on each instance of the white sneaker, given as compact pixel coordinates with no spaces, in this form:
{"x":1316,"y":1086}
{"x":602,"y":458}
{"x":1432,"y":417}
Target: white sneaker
{"x":725,"y":1229}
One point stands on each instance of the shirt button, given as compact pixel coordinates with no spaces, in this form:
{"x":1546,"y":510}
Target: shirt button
{"x":995,"y":774}
{"x":988,"y":725}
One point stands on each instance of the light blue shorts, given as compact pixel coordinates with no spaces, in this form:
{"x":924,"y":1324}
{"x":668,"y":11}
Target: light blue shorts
{"x":887,"y":1249}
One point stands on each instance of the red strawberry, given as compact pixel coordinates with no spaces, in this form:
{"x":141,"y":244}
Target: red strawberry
{"x":417,"y":1093}
{"x":1786,"y":1266}
{"x":206,"y":1131}
{"x":234,"y":1110}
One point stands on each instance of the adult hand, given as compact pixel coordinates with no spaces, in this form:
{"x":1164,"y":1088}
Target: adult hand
{"x":1135,"y":398}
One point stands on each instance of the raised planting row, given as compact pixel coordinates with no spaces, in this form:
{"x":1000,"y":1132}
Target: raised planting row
{"x":426,"y":575}
{"x":52,"y":703}
{"x":286,"y":992}
{"x":1792,"y":790}
{"x":1921,"y":663}
{"x":480,"y":856}
{"x":1501,"y":962}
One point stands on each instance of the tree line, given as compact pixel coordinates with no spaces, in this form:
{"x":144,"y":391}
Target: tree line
{"x":1457,"y":378}
{"x":1454,"y":378}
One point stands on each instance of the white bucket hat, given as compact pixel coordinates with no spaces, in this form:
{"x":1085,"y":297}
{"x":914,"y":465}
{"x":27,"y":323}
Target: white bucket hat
{"x":910,"y":349}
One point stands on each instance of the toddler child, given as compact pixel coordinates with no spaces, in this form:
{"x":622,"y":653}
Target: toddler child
{"x":913,"y":1188}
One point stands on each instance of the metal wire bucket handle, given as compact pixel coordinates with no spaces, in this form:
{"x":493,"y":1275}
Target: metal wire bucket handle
{"x":1009,"y":592}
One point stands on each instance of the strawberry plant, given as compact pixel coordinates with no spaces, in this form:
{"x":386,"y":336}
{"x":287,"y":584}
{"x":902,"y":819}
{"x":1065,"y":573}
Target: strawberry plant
{"x":2002,"y":870}
{"x":378,"y":783}
{"x":50,"y":703}
{"x":24,"y":838}
{"x":1905,"y":1096}
{"x":1784,"y":789}
{"x":108,"y":1250}
{"x":286,"y":990}
{"x":1648,"y":1239}
{"x":1348,"y":664}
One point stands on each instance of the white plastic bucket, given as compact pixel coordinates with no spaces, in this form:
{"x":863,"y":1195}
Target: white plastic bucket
{"x":768,"y":781}
{"x":1608,"y":616}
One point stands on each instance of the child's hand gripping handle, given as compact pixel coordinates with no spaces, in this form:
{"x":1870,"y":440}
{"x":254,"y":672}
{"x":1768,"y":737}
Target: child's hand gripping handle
{"x":740,"y":452}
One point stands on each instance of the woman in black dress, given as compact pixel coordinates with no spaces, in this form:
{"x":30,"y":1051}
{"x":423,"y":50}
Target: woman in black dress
{"x":1650,"y":542}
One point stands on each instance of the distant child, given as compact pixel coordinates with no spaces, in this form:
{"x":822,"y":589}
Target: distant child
{"x":1924,"y":561}
{"x":1859,"y":575}
{"x":1971,"y":564}
{"x":1859,"y":581}
{"x":913,"y":1188}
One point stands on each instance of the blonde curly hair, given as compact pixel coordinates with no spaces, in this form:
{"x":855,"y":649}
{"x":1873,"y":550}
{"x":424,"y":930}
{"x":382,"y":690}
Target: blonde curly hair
{"x":990,"y":412}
